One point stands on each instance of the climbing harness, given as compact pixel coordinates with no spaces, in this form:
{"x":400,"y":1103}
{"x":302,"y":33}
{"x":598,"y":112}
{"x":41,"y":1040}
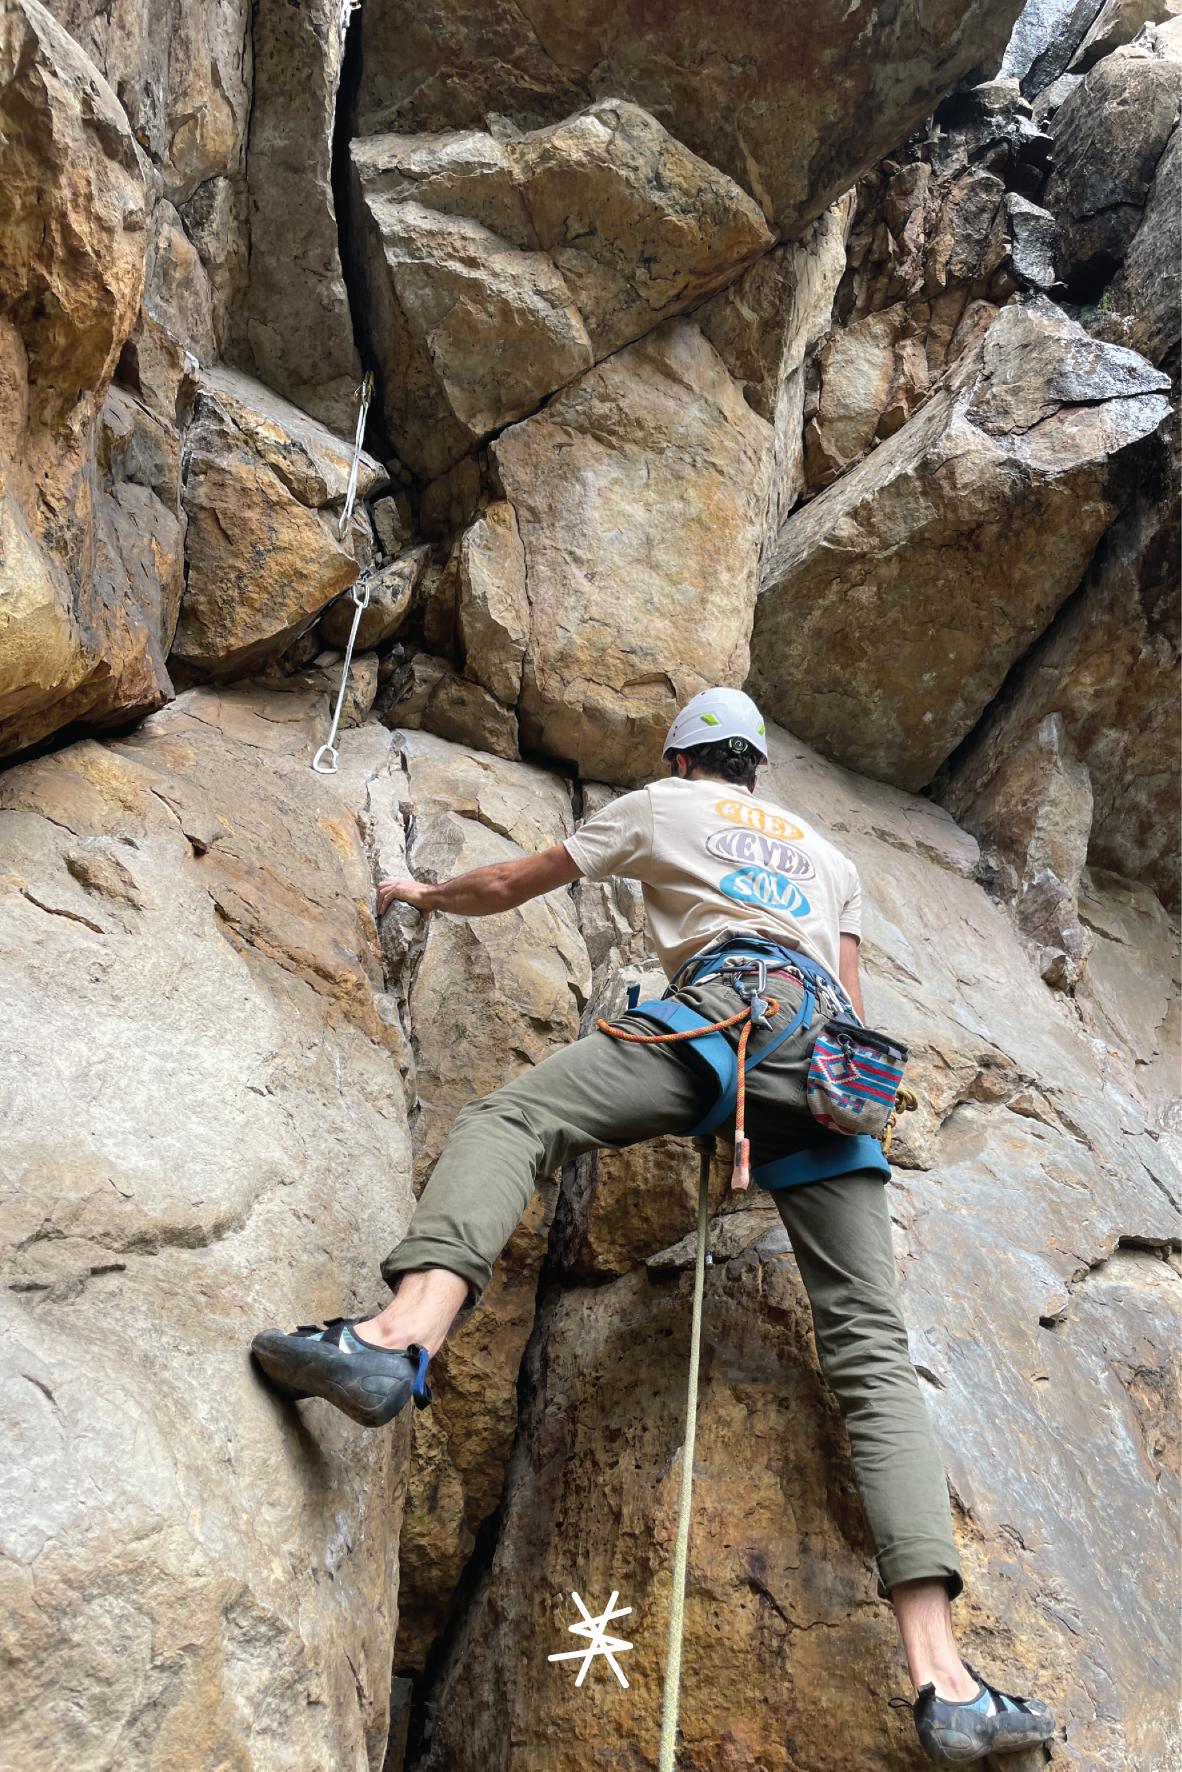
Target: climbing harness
{"x":359,"y":592}
{"x":670,"y":1696}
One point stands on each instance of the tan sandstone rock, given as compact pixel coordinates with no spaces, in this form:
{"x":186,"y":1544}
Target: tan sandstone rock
{"x":1018,"y":447}
{"x":264,"y":489}
{"x":1021,"y":1306}
{"x":498,"y":271}
{"x":792,"y":106}
{"x":72,"y":214}
{"x":1108,"y":665}
{"x":294,"y":331}
{"x":639,"y":496}
{"x":225,"y":1148}
{"x":391,"y":594}
{"x":183,"y":76}
{"x":493,"y":612}
{"x":488,"y":997}
{"x":767,"y":324}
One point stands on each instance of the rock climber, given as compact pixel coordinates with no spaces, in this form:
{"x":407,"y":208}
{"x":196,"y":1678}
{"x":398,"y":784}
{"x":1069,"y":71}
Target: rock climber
{"x":727,"y":876}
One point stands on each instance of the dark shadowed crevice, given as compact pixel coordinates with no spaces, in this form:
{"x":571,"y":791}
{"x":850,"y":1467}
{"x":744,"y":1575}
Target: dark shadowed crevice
{"x":348,"y":246}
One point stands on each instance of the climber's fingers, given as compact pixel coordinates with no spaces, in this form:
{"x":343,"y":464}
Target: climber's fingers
{"x":400,"y":891}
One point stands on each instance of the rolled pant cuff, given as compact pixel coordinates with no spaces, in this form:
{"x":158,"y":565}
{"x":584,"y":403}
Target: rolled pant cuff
{"x":414,"y":1253}
{"x":919,"y":1559}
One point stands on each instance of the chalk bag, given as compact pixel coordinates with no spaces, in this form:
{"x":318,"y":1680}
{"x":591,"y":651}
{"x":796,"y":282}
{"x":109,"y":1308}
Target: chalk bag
{"x":854,"y":1077}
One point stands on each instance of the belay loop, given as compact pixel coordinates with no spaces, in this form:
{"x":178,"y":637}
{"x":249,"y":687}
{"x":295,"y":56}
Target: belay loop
{"x":359,"y":591}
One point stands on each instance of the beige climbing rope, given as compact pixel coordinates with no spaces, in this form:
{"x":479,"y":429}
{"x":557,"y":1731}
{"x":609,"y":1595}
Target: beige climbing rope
{"x":359,"y":591}
{"x":669,"y":1704}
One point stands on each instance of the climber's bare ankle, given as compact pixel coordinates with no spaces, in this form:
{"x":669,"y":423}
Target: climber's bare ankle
{"x":420,"y":1313}
{"x":925,"y":1624}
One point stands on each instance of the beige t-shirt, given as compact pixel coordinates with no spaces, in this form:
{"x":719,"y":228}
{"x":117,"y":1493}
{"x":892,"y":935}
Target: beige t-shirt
{"x":714,"y":859}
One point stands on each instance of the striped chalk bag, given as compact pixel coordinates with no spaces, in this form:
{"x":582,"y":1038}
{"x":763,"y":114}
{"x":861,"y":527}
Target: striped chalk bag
{"x":854,"y":1078}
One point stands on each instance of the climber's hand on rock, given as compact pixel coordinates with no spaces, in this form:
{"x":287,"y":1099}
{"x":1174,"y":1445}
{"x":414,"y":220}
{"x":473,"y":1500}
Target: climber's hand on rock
{"x":412,"y":892}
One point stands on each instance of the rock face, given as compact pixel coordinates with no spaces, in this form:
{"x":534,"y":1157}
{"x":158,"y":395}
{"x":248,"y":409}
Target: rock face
{"x":630,"y":491}
{"x":657,"y":324}
{"x":1108,"y":664}
{"x":74,"y":640}
{"x":488,"y":998}
{"x":1019,"y":1137}
{"x":1036,"y":812}
{"x":1109,"y":136}
{"x":264,"y":490}
{"x":217,"y":1570}
{"x":941,"y":237}
{"x":1020,"y":446}
{"x":792,"y":116}
{"x":295,"y":332}
{"x":498,"y":271}
{"x":1143,"y":287}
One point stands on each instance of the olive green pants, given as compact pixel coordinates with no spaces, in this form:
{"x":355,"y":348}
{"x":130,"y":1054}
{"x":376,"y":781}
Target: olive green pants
{"x":604,"y":1093}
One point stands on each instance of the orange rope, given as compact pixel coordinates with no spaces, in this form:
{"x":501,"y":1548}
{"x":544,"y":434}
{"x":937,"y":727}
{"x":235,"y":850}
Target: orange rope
{"x":741,"y":1172}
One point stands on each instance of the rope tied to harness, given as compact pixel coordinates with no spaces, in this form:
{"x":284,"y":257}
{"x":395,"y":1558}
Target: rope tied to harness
{"x":741,"y":1171}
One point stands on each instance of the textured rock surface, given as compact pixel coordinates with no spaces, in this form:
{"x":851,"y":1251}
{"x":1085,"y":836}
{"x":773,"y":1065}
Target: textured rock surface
{"x":941,"y":236}
{"x":264,"y":490}
{"x":1109,"y":136}
{"x":195,"y":1574}
{"x":793,"y":114}
{"x":295,"y":332}
{"x":1019,"y":448}
{"x":639,"y":496}
{"x":72,"y":214}
{"x":391,"y":590}
{"x":1045,"y":39}
{"x":1035,"y":1168}
{"x":1145,"y":288}
{"x":1036,"y":814}
{"x":487,"y":999}
{"x":498,"y":271}
{"x":766,"y":325}
{"x":1109,"y":665}
{"x":493,"y":608}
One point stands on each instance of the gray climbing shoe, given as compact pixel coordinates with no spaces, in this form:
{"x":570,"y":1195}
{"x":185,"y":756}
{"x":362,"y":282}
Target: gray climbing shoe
{"x":367,"y":1383}
{"x":993,"y":1722}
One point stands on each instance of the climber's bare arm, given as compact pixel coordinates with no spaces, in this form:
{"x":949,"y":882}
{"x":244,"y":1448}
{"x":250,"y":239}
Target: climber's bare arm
{"x":847,"y":971}
{"x":486,"y":890}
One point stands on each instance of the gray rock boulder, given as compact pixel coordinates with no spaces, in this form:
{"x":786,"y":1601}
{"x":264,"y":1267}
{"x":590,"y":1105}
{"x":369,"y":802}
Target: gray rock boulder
{"x":894,"y":604}
{"x":793,"y":107}
{"x":224,"y":1147}
{"x":1109,"y":134}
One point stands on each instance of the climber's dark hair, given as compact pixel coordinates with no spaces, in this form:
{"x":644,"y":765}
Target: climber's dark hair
{"x":731,"y":758}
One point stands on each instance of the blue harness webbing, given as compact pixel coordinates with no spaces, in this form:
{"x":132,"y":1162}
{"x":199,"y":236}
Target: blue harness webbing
{"x":838,"y":1155}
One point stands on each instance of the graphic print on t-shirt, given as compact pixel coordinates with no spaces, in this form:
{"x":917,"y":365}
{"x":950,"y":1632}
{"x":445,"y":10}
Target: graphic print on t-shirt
{"x":779,"y":863}
{"x":757,"y":818}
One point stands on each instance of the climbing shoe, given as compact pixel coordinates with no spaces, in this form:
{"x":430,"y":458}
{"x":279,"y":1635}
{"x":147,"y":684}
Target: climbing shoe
{"x":369,"y":1384}
{"x":953,"y":1734}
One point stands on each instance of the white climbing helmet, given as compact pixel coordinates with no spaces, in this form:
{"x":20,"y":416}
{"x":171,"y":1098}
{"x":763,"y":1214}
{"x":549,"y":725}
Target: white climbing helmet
{"x":714,"y":715}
